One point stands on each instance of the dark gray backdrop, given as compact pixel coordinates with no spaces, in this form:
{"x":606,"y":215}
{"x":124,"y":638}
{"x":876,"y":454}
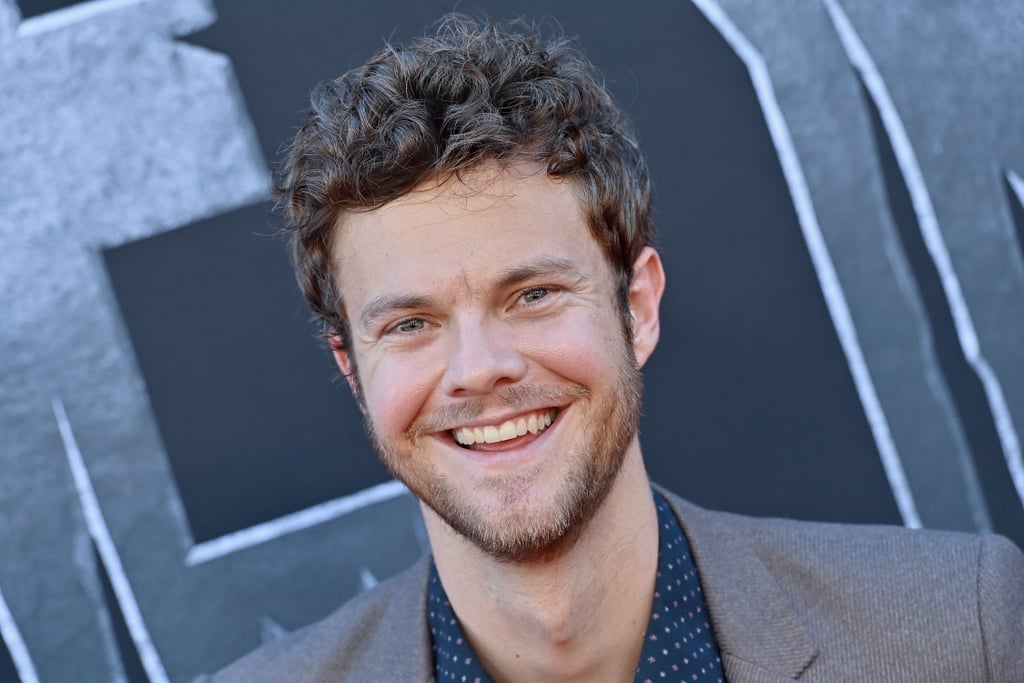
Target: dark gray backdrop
{"x":839,"y":209}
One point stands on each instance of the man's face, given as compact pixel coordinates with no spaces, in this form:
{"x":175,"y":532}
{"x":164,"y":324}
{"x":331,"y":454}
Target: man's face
{"x":493,"y":366}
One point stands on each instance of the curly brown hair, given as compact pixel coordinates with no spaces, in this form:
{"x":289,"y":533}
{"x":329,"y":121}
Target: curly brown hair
{"x":466,"y":93}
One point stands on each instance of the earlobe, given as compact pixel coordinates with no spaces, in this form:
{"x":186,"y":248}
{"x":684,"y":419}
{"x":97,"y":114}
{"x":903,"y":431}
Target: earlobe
{"x":644,"y":299}
{"x":347,"y":368}
{"x":340,"y":355}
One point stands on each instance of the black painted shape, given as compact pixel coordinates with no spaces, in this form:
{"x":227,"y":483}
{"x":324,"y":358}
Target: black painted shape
{"x":8,"y":673}
{"x":280,"y":50}
{"x":750,"y":404}
{"x":253,"y":424}
{"x":133,"y":669}
{"x":966,"y":389}
{"x":33,"y":8}
{"x":1016,"y":213}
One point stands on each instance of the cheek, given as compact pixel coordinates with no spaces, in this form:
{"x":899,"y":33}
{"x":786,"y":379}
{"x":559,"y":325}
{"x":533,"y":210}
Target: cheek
{"x":583,"y":349}
{"x":396,"y":391}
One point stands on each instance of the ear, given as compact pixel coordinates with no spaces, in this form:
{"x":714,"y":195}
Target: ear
{"x":348,"y":368}
{"x":644,"y":298}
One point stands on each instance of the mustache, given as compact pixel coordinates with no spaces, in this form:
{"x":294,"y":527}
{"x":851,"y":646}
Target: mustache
{"x":515,"y":398}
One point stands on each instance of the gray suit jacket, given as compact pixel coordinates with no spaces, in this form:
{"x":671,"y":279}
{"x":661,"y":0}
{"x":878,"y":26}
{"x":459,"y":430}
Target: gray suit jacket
{"x":788,"y":601}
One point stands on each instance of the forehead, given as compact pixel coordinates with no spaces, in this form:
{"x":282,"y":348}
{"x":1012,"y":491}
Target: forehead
{"x":464,"y":229}
{"x":483,"y":196}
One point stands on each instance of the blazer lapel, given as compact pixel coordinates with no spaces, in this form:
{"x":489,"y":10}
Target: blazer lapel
{"x":760,"y":636}
{"x":401,"y":650}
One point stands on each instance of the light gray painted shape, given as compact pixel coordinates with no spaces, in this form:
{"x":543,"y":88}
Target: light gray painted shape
{"x":115,"y":132}
{"x":820,"y":99}
{"x":922,"y":203}
{"x":16,"y":645}
{"x":954,"y":74}
{"x":10,"y":17}
{"x":100,"y":533}
{"x":835,"y":298}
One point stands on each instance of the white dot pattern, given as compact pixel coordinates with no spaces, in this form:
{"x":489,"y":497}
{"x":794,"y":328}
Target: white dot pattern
{"x":454,"y":659}
{"x":679,"y":646}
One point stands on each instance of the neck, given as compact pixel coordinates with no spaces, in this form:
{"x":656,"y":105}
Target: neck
{"x":580,"y":614}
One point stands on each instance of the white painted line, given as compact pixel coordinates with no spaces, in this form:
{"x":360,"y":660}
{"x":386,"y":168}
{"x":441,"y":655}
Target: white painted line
{"x":16,"y":645}
{"x":825,"y":269}
{"x":97,"y":526}
{"x":926,"y":218}
{"x":289,"y":524}
{"x":367,"y":579}
{"x":271,"y":631}
{"x":1018,"y":188}
{"x":72,"y":14}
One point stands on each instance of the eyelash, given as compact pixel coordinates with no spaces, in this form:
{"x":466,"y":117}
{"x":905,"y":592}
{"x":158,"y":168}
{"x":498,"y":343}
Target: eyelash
{"x":547,"y":291}
{"x":396,"y":328}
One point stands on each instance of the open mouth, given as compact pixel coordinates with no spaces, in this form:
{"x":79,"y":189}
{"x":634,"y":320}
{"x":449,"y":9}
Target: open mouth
{"x":531,"y":423}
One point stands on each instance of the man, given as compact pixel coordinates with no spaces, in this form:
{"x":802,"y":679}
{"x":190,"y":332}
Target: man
{"x":470,"y":218}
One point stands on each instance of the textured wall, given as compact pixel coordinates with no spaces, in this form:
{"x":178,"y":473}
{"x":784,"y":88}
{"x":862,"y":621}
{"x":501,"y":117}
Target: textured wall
{"x":840,"y":209}
{"x":934,"y":94}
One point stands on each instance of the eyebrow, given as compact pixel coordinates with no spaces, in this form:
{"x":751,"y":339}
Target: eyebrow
{"x":385,"y":305}
{"x":542,"y":267}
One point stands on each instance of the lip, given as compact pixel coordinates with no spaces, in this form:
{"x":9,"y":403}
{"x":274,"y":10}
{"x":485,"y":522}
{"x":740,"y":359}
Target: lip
{"x":499,"y":454}
{"x":485,"y":421}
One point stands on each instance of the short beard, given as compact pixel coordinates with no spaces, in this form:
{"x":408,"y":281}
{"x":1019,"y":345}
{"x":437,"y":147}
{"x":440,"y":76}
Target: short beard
{"x":517,"y":533}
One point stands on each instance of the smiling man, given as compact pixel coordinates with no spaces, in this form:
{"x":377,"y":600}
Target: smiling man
{"x":470,"y":220}
{"x":486,"y":302}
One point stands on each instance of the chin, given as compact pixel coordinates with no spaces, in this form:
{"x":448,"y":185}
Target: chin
{"x":517,"y":519}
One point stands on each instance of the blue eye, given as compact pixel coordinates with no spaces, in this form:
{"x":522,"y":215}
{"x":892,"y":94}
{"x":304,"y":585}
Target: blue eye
{"x":534,"y":295}
{"x":411,"y":325}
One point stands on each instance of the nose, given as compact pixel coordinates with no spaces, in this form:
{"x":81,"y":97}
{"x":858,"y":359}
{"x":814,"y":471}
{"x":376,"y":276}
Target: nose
{"x":482,"y":357}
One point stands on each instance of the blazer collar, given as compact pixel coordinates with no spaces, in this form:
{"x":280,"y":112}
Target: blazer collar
{"x":759,"y":634}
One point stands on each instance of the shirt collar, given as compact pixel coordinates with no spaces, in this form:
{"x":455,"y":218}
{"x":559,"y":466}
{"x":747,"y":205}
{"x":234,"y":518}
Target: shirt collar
{"x":678,"y":633}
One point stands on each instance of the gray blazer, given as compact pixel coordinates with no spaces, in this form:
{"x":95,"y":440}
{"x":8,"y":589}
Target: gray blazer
{"x":788,"y":601}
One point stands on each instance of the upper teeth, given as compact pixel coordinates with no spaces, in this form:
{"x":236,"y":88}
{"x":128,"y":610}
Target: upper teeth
{"x":509,"y":429}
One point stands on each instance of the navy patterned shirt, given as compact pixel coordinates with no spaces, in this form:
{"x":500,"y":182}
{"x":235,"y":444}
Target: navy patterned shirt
{"x":679,"y":646}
